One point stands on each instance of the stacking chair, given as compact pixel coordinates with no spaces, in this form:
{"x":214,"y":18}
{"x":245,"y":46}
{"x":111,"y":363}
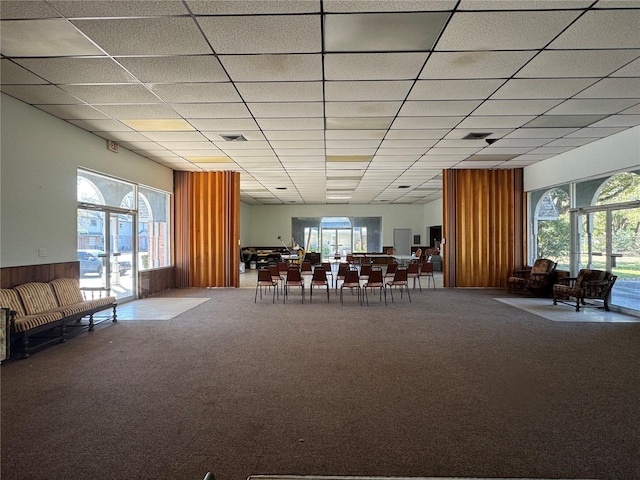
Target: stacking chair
{"x":265,"y":280}
{"x":294,"y":279}
{"x":275,"y":275}
{"x":413,"y":271}
{"x":319,"y":279}
{"x":343,"y":268}
{"x":365,"y":269}
{"x":328,"y":271}
{"x":399,"y":280}
{"x":391,"y":269}
{"x":426,"y":270}
{"x":282,"y":268}
{"x":375,"y":280}
{"x":306,"y":268}
{"x":351,"y":281}
{"x":418,"y":256}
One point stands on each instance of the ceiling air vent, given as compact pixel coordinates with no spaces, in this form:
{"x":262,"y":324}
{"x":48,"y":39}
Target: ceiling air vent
{"x":233,"y":138}
{"x":476,"y":136}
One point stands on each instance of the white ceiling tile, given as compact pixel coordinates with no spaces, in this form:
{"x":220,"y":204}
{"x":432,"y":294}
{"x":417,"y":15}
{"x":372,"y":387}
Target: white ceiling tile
{"x":515,"y":107}
{"x":632,"y":69}
{"x":146,"y":36}
{"x":596,"y":132}
{"x":112,"y":94}
{"x":175,"y":136}
{"x":433,"y":134}
{"x":549,"y":133}
{"x":373,"y":66}
{"x":184,"y":69}
{"x":346,"y":144}
{"x":101,"y":125}
{"x":367,"y":91}
{"x":217,"y":124}
{"x":438,"y":108}
{"x":453,"y":89}
{"x":263,"y":34}
{"x":474,"y":65}
{"x":497,"y":121}
{"x":232,"y":146}
{"x":20,"y":9}
{"x":212,"y":110}
{"x":538,"y":88}
{"x":357,"y":123}
{"x":13,"y":73}
{"x":409,"y":123}
{"x":424,"y":144}
{"x":273,"y":68}
{"x":290,"y":123}
{"x":592,"y":30}
{"x":77,"y":70}
{"x":252,"y":7}
{"x":613,"y":88}
{"x":68,"y":112}
{"x":284,"y":144}
{"x":294,"y":134}
{"x":196,"y":92}
{"x":282,"y":110}
{"x":39,"y":94}
{"x":119,"y":8}
{"x":569,"y":142}
{"x":576,"y":63}
{"x":563,"y":121}
{"x":593,"y":106}
{"x":388,"y":32}
{"x":132,"y":111}
{"x":281,"y":91}
{"x":454,"y":150}
{"x":44,"y":38}
{"x":342,"y":6}
{"x":521,"y":142}
{"x":355,"y":134}
{"x":522,"y":4}
{"x":362,"y":109}
{"x":619,"y":121}
{"x":503,"y":30}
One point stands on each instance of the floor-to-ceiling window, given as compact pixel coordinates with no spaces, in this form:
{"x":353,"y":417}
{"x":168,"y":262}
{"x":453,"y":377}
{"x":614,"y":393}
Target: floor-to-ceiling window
{"x":593,"y":224}
{"x":121,"y":228}
{"x":331,"y":236}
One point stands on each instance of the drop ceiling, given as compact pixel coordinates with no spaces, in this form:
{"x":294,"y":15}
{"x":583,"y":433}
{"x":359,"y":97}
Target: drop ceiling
{"x":333,"y":101}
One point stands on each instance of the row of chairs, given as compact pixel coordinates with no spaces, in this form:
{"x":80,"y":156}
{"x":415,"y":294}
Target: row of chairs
{"x":288,"y":276}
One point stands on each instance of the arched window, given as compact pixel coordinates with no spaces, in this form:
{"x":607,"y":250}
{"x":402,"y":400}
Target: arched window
{"x":552,"y":227}
{"x":624,"y":187}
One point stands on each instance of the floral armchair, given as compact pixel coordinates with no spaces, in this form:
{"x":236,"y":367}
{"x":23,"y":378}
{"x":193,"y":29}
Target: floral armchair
{"x":537,"y":279}
{"x":589,"y":284}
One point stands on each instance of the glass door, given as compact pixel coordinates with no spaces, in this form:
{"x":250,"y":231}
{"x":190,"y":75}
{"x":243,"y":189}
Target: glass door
{"x":607,"y":238}
{"x":105,"y":251}
{"x":336,"y":241}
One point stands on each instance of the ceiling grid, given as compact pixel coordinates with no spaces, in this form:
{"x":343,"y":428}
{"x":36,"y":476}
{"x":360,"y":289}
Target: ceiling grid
{"x":330,"y":101}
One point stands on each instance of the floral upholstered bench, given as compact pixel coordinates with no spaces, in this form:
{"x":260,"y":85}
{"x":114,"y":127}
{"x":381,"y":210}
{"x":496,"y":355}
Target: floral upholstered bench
{"x":45,"y":310}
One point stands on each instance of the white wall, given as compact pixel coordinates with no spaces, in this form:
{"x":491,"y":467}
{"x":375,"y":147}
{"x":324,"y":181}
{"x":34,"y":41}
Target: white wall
{"x":268,"y":222}
{"x":432,"y":217}
{"x":39,"y":158}
{"x":616,"y":153}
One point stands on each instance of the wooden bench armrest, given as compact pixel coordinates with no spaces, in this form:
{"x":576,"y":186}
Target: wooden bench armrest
{"x":94,"y":292}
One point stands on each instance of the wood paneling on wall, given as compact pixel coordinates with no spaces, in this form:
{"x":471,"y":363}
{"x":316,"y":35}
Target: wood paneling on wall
{"x":12,"y":276}
{"x":207,"y":229}
{"x":484,"y":226}
{"x":155,"y":281}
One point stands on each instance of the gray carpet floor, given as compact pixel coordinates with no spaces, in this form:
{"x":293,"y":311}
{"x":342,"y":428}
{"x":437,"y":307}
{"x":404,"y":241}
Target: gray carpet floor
{"x":452,"y":384}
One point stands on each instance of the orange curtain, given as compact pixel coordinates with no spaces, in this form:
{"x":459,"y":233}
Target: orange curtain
{"x":207,"y":213}
{"x":484,"y":227}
